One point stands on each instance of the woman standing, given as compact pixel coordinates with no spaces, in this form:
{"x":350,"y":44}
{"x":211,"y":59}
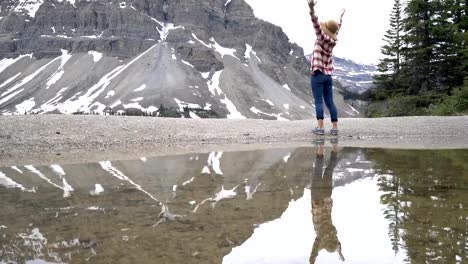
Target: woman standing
{"x":322,"y":69}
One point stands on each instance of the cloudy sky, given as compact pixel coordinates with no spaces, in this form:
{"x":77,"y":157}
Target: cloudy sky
{"x":360,"y":38}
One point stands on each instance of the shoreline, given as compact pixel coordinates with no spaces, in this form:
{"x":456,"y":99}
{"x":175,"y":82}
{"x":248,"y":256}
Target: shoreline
{"x":65,"y":139}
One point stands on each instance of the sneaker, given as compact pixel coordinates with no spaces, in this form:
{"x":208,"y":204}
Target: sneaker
{"x":334,"y":131}
{"x":318,"y":131}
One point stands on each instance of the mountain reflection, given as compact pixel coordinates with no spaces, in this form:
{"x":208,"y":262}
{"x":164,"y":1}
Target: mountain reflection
{"x":227,"y":207}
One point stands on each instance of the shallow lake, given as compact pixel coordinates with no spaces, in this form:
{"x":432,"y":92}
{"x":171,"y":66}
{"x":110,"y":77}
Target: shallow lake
{"x":295,"y":205}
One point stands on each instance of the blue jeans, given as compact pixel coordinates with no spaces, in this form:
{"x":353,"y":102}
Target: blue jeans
{"x":322,"y":89}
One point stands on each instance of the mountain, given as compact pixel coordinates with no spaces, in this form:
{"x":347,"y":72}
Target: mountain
{"x":355,"y":77}
{"x":205,"y":58}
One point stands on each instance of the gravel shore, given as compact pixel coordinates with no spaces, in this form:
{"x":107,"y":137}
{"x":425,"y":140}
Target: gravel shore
{"x":45,"y":139}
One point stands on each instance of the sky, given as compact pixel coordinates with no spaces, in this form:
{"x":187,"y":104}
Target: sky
{"x":360,"y":37}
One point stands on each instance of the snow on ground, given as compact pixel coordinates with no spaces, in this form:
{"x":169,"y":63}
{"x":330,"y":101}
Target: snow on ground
{"x":187,"y":63}
{"x":54,"y":78}
{"x":354,"y":109}
{"x":98,"y":107}
{"x":213,"y":84}
{"x":269,"y":102}
{"x":25,"y":106}
{"x":55,"y":36}
{"x":138,"y":99}
{"x":222,"y":50}
{"x":136,"y":105}
{"x":233,"y":112}
{"x":278,"y":116}
{"x":116,"y":103}
{"x":59,"y":72}
{"x":52,"y":103}
{"x":5,"y":63}
{"x":110,"y":94}
{"x":183,"y":104}
{"x":166,"y":28}
{"x":218,"y":48}
{"x":72,"y":2}
{"x":201,"y":41}
{"x":140,"y":88}
{"x":10,"y":80}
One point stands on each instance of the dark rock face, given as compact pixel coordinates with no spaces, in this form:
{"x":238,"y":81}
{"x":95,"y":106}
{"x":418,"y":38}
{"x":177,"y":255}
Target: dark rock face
{"x":212,"y":54}
{"x":98,"y":25}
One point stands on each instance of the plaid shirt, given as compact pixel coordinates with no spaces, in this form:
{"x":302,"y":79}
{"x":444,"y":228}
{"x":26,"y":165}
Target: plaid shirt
{"x":322,"y":57}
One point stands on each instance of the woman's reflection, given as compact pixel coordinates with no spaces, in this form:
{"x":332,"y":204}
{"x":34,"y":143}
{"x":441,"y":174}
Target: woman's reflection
{"x":322,"y":203}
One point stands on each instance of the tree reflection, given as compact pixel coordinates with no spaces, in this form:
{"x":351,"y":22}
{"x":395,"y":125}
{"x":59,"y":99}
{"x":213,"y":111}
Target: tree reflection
{"x":426,"y":198}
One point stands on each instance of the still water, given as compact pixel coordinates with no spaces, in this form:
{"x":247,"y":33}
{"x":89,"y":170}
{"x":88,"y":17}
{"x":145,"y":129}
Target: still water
{"x":298,"y":205}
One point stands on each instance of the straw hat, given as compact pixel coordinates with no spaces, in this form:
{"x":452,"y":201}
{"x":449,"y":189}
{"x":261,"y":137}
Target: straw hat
{"x":330,"y":28}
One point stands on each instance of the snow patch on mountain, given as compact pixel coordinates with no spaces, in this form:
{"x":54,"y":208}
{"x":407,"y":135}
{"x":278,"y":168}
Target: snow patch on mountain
{"x":213,"y":86}
{"x":249,"y":51}
{"x":30,"y":7}
{"x":97,"y":56}
{"x":10,"y":93}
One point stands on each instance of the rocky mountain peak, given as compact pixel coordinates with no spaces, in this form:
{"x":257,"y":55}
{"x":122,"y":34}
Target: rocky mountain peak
{"x":119,"y":55}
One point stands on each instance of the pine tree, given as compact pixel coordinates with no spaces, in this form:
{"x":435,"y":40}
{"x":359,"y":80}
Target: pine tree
{"x":448,"y":51}
{"x":461,"y":19}
{"x":434,"y":52}
{"x":418,"y":67}
{"x":389,"y":66}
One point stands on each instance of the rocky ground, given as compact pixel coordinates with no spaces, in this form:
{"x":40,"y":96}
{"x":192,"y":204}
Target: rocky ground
{"x":46,"y":139}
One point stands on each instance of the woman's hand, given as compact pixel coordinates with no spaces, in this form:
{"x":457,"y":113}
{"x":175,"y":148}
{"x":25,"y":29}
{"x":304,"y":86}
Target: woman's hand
{"x":312,"y":4}
{"x":342,"y":12}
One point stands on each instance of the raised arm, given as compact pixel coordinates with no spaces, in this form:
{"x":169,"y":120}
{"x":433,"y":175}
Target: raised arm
{"x":315,"y":21}
{"x":341,"y":20}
